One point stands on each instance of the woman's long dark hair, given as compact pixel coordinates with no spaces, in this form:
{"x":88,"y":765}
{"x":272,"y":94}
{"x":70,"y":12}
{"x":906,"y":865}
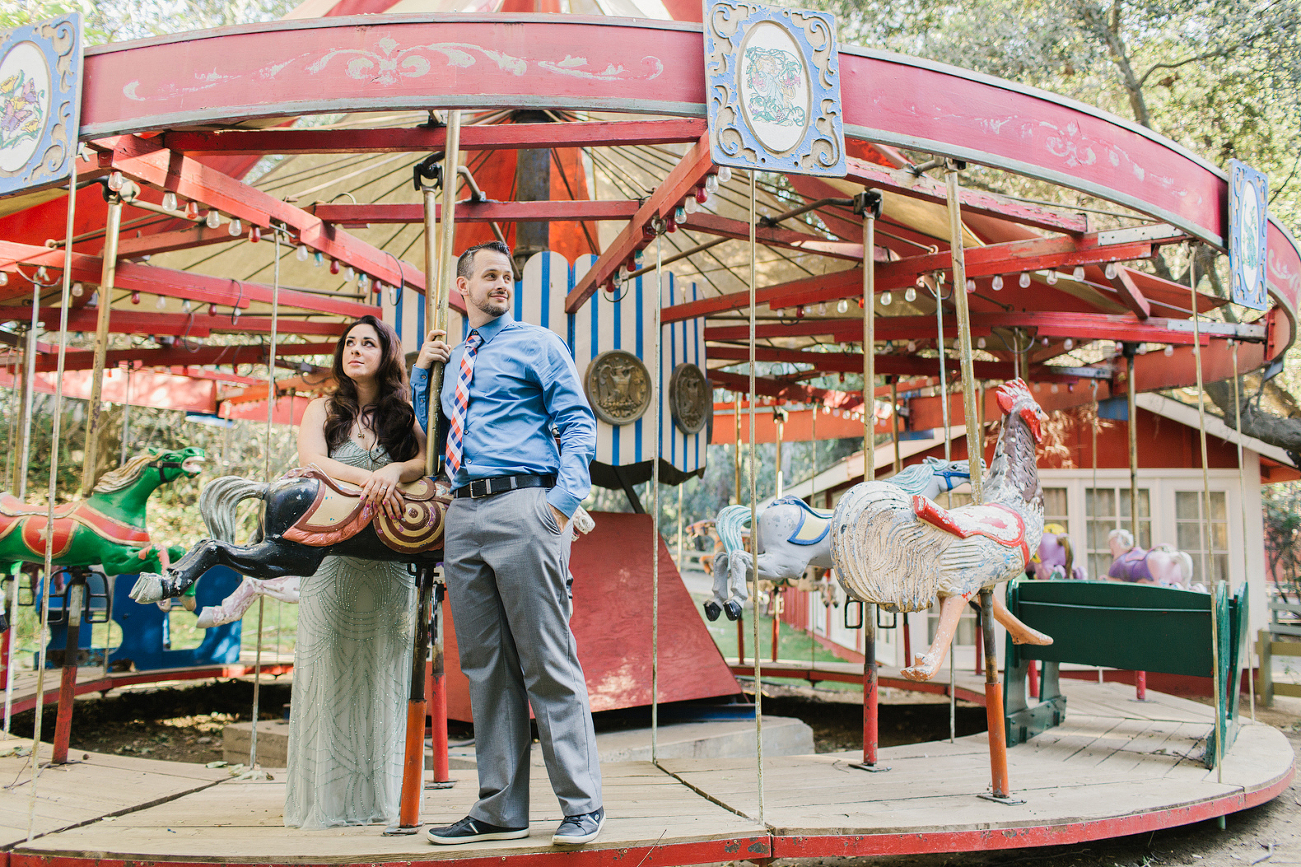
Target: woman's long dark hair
{"x":391,"y":417}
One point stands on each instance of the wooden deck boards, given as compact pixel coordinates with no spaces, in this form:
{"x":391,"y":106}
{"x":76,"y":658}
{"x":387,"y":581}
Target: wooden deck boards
{"x":1113,"y":759}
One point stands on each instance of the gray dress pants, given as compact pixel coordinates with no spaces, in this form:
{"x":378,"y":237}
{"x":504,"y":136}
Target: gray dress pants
{"x":507,"y":566}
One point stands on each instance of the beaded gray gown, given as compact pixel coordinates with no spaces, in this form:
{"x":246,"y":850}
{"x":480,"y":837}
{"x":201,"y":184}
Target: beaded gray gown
{"x":352,"y":672}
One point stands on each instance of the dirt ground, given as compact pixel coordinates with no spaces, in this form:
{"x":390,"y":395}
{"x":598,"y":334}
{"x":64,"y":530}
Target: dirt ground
{"x":185,"y":723}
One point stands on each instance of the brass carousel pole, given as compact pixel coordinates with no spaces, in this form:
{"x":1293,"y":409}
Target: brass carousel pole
{"x":108,"y":275}
{"x":970,"y":411}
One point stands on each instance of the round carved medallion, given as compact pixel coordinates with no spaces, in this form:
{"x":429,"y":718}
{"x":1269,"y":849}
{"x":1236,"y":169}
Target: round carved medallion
{"x":618,"y":387}
{"x":690,"y":400}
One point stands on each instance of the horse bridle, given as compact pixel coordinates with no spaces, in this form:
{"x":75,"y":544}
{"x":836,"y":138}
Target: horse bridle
{"x":162,"y":466}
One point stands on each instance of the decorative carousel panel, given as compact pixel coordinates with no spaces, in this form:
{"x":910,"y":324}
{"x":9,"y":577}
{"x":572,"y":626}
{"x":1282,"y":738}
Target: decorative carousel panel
{"x":773,"y":89}
{"x":1248,"y":217}
{"x":40,"y":103}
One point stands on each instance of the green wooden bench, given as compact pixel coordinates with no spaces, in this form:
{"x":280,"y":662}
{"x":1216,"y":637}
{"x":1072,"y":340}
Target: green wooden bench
{"x":1136,"y":627}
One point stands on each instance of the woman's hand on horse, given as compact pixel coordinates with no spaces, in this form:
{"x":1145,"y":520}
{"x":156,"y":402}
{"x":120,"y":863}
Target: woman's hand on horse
{"x":434,"y":349}
{"x":381,"y":490}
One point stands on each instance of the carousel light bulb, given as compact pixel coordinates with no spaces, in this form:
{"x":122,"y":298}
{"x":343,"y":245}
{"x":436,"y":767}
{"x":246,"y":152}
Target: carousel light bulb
{"x":1230,"y":343}
{"x":997,"y":282}
{"x":1044,"y":341}
{"x":711,"y":184}
{"x":1078,"y":273}
{"x":349,"y":275}
{"x":1068,"y":344}
{"x":135,"y":297}
{"x":886,"y":298}
{"x":971,"y":286}
{"x":1024,"y":280}
{"x":1052,"y":278}
{"x":169,"y":200}
{"x":1142,"y":349}
{"x":160,"y":303}
{"x":318,"y":259}
{"x":622,"y":274}
{"x":115,"y":181}
{"x":77,"y":290}
{"x":822,"y":308}
{"x":980,"y":343}
{"x":93,"y":301}
{"x":912,"y":345}
{"x":724,"y":174}
{"x":690,"y":205}
{"x":254,"y":234}
{"x":910,"y":294}
{"x":842,"y":306}
{"x":302,"y":253}
{"x":187,"y":306}
{"x":213,"y":220}
{"x":235,"y":228}
{"x":680,"y":214}
{"x":1110,"y":270}
{"x":1168,"y":351}
{"x":42,"y":275}
{"x":393,"y":295}
{"x":4,"y":279}
{"x":1053,"y":388}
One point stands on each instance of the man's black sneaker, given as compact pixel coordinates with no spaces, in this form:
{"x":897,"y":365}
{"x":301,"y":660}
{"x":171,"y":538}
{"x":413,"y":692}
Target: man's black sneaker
{"x":577,"y":830}
{"x":470,"y":830}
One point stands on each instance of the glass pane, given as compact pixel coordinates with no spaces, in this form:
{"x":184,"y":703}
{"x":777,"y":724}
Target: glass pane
{"x":1220,"y":536}
{"x":1188,"y":505}
{"x":1101,"y":502}
{"x":1055,"y":508}
{"x":1221,"y":567}
{"x":1098,"y":565}
{"x":1144,"y":510}
{"x":1218,"y":506}
{"x":1188,"y":537}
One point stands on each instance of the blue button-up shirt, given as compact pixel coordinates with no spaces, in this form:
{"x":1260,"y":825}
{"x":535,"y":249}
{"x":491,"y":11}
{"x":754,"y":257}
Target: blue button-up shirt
{"x":524,"y":386}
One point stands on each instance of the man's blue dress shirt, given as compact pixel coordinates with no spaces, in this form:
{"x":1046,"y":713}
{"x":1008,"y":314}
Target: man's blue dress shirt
{"x":524,"y":386}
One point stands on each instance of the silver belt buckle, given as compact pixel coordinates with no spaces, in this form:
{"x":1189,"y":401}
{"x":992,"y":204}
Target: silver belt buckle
{"x":479,"y":489}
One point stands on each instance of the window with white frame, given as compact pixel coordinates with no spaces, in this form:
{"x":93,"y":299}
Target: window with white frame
{"x":1108,"y":509}
{"x":1057,"y":508}
{"x":1210,"y":556}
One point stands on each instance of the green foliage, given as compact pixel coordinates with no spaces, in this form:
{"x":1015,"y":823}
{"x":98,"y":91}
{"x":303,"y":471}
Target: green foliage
{"x":1282,"y":504}
{"x":120,"y":20}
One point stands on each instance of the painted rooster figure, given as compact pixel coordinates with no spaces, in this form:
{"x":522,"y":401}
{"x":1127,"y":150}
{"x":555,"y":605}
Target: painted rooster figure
{"x":901,"y":551}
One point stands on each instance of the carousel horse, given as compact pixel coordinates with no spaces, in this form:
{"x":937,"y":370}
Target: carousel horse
{"x":106,"y":529}
{"x":1161,"y":565}
{"x":308,"y":516}
{"x":1055,"y":559}
{"x":793,"y":535}
{"x":285,"y":588}
{"x":900,"y":551}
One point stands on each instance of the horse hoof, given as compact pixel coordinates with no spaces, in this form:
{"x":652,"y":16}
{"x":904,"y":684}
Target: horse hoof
{"x":207,"y":617}
{"x":920,"y":672}
{"x":1033,"y":636}
{"x":712,"y":611}
{"x":733,"y":610}
{"x":148,"y":588}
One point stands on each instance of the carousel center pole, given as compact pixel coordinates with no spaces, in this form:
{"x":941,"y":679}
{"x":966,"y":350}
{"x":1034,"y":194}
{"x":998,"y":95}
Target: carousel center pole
{"x":993,"y":688}
{"x":656,"y":424}
{"x":108,"y":275}
{"x":754,"y":518}
{"x":740,"y":620}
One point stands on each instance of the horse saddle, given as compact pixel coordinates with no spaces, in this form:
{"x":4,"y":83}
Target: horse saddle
{"x":339,"y":513}
{"x":993,"y":521}
{"x":14,"y":513}
{"x":814,"y":523}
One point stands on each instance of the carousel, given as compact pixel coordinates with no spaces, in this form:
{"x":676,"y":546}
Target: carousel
{"x":718,"y":217}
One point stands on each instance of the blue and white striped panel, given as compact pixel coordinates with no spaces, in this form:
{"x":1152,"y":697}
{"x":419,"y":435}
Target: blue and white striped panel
{"x":540,"y":294}
{"x":406,"y":313}
{"x":682,"y":342}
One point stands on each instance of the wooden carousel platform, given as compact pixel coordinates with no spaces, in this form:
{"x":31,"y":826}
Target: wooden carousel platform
{"x":1117,"y":766}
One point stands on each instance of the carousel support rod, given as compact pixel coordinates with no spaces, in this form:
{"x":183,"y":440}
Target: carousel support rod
{"x":871,"y":729}
{"x":740,"y":620}
{"x":1131,"y":390}
{"x":974,"y":449}
{"x":999,"y":788}
{"x":68,"y":676}
{"x":894,"y":424}
{"x":437,"y":691}
{"x":440,"y":238}
{"x":754,"y":507}
{"x":108,"y":275}
{"x":1242,"y":500}
{"x":868,"y":203}
{"x":29,"y":374}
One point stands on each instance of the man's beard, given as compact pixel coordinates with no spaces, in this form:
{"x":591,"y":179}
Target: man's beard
{"x":486,"y":306}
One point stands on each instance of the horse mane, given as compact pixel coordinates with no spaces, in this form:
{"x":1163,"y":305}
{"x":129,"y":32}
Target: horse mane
{"x":123,"y":476}
{"x":914,"y":479}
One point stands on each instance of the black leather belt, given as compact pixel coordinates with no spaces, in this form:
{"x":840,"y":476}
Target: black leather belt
{"x":501,"y":484}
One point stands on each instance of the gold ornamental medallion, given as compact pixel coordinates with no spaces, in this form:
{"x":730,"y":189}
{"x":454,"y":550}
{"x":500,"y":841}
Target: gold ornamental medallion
{"x":618,"y":387}
{"x":689,"y":398}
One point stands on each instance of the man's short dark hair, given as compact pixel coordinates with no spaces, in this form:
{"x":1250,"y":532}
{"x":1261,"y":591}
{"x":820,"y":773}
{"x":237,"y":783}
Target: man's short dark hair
{"x":465,"y":264}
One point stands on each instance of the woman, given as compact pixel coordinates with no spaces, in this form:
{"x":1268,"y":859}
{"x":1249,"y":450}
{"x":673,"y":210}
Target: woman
{"x":352,"y":663}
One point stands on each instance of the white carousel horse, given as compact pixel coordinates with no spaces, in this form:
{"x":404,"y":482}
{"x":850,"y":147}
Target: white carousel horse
{"x":793,"y":535}
{"x":900,"y":551}
{"x":1161,"y":565}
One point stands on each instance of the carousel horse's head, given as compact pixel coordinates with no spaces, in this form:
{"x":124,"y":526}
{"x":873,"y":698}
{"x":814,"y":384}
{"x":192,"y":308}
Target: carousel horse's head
{"x":153,"y":468}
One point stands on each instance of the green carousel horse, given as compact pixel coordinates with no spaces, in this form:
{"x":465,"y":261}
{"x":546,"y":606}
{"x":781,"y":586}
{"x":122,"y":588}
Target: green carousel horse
{"x":107,"y":529}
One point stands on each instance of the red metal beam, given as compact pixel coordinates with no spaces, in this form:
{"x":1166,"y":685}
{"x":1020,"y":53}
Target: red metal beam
{"x":905,"y":183}
{"x":167,"y":170}
{"x":1130,"y":293}
{"x":1077,"y":326}
{"x":886,"y":365}
{"x":129,"y":321}
{"x":486,"y":137}
{"x":175,"y":284}
{"x":774,"y":236}
{"x":478,"y":212}
{"x":786,"y":390}
{"x":1009,"y":258}
{"x":84,"y":359}
{"x":198,"y":235}
{"x":685,"y":177}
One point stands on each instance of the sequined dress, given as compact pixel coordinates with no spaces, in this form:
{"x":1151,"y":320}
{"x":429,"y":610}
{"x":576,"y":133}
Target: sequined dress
{"x":352,"y":672}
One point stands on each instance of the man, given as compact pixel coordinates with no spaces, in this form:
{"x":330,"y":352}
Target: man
{"x":507,"y":552}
